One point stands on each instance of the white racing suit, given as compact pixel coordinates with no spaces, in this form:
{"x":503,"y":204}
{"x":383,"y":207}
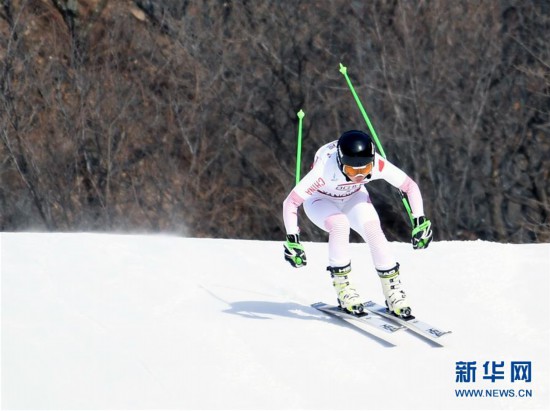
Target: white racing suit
{"x":336,"y":205}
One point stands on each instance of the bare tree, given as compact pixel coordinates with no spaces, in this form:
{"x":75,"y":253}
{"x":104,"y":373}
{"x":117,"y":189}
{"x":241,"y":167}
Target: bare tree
{"x":181,"y":116}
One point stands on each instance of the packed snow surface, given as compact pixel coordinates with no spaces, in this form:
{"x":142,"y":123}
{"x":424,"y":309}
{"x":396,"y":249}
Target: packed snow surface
{"x":104,"y":321}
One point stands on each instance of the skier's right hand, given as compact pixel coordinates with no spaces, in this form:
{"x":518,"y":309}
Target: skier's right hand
{"x":294,"y":251}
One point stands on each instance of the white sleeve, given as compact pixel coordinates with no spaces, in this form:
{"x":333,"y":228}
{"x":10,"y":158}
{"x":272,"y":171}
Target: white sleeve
{"x":399,"y":179}
{"x":311,"y":182}
{"x":385,"y":170}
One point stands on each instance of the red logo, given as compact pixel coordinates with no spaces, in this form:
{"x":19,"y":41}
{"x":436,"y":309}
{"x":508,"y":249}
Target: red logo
{"x":315,"y":186}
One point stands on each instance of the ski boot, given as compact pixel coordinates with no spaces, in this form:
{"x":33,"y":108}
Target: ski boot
{"x":348,"y":298}
{"x":396,"y":299}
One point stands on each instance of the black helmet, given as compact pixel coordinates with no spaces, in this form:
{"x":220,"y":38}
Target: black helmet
{"x":355,"y":149}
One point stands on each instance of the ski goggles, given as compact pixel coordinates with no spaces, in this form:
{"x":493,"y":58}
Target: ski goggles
{"x":355,"y":171}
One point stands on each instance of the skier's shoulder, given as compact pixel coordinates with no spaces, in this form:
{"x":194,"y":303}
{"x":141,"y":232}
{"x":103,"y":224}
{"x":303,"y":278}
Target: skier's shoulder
{"x":384,"y":169}
{"x":325,"y":152}
{"x":379,"y":163}
{"x":382,"y":164}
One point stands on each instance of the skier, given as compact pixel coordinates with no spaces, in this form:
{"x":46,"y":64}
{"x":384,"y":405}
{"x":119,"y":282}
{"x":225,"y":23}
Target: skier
{"x":336,"y":200}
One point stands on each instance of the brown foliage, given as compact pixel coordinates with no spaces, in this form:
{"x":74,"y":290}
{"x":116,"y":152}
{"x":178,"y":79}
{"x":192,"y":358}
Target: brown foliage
{"x":181,"y":116}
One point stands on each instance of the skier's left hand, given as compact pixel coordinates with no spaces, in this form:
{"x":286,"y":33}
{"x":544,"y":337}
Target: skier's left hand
{"x":421,"y":233}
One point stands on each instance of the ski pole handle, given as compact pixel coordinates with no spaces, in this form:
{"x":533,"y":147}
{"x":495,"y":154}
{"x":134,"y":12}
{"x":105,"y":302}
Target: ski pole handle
{"x":301,"y":116}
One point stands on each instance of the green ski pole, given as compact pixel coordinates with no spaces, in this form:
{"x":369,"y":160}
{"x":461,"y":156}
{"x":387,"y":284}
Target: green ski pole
{"x":404,"y":199}
{"x":301,"y":115}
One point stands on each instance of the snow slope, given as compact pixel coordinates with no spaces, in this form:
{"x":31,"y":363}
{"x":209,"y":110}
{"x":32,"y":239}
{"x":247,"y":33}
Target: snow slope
{"x":92,"y":321}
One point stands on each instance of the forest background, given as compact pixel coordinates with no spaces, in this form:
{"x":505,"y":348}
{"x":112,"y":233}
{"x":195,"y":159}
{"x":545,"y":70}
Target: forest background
{"x":180,"y":116}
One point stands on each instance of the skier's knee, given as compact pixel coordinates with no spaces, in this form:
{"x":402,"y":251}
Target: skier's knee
{"x":337,"y":223}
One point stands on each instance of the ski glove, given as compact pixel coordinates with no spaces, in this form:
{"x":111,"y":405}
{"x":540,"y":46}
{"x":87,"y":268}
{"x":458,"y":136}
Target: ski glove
{"x":294,"y":251}
{"x":421,"y":233}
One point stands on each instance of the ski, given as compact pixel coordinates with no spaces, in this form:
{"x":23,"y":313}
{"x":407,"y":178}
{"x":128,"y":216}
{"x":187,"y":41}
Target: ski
{"x":365,"y":317}
{"x":410,"y":322}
